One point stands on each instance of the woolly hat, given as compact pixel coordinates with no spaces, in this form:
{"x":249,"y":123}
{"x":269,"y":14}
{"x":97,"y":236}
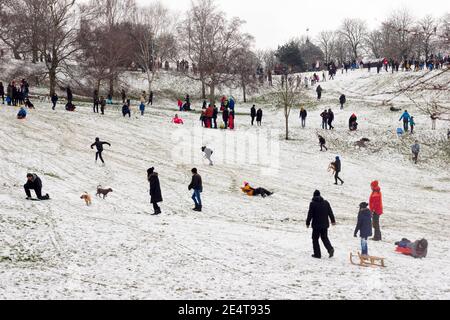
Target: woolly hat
{"x":317,"y":193}
{"x":363,"y":205}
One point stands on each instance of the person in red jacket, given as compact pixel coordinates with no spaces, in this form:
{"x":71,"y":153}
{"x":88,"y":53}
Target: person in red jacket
{"x":376,"y":206}
{"x":231,"y":121}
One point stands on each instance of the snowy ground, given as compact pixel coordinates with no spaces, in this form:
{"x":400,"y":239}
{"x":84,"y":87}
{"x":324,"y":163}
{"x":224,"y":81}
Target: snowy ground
{"x":239,"y":247}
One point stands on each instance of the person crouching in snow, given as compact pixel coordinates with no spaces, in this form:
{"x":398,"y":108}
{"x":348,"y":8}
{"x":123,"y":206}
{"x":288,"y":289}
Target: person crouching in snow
{"x":126,"y":109}
{"x":364,"y":227}
{"x":251,"y":192}
{"x":208,"y":153}
{"x":177,"y":120}
{"x":22,"y":114}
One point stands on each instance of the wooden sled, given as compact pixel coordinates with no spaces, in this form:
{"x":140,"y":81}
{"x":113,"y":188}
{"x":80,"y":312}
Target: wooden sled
{"x":368,"y":261}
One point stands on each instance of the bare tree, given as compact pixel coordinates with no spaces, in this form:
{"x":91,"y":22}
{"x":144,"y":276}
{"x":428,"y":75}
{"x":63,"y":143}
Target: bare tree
{"x":374,"y":42}
{"x":288,"y":95}
{"x":354,"y":32}
{"x":152,"y":37}
{"x":60,"y":41}
{"x":398,"y":34}
{"x":210,"y":40}
{"x":326,"y":41}
{"x":427,"y":31}
{"x":247,"y":62}
{"x":106,"y":42}
{"x":12,"y":27}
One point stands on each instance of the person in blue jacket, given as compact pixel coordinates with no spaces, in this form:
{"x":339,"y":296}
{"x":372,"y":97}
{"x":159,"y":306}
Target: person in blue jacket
{"x":231,"y":104}
{"x":142,"y":108}
{"x":405,"y":117}
{"x":364,"y":227}
{"x":22,"y":113}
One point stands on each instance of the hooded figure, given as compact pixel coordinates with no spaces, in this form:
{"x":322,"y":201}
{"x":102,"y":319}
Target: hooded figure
{"x":364,"y":227}
{"x":155,"y":190}
{"x":319,"y":214}
{"x":376,"y":206}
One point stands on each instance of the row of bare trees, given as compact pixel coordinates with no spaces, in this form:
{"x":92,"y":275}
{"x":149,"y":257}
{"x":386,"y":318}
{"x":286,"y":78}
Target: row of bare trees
{"x":103,"y":37}
{"x":400,"y":36}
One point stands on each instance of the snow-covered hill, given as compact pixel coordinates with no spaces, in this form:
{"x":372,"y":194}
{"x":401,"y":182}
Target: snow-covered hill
{"x":238,"y":247}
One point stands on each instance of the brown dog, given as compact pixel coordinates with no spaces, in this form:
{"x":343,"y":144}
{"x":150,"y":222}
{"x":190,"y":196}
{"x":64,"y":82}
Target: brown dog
{"x":103,"y":192}
{"x":87,"y":198}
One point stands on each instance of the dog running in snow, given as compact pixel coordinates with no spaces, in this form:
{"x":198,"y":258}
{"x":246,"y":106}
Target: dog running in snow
{"x":104,"y":192}
{"x":87,"y":198}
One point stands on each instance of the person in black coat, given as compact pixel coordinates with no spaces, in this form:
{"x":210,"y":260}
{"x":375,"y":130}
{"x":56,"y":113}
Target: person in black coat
{"x":225,"y":116}
{"x":155,"y":190}
{"x":54,"y":100}
{"x":259,"y":116}
{"x":96,"y":101}
{"x":322,"y":143}
{"x":126,"y":109}
{"x":253,"y":114}
{"x":69,"y":94}
{"x":303,"y":115}
{"x":2,"y":92}
{"x":214,"y":117}
{"x":337,"y":167}
{"x":319,"y":92}
{"x":342,"y":101}
{"x":196,"y":185}
{"x":150,"y":99}
{"x":324,"y":116}
{"x":319,"y":214}
{"x":99,"y":145}
{"x":364,"y":226}
{"x":330,"y":119}
{"x":34,"y":183}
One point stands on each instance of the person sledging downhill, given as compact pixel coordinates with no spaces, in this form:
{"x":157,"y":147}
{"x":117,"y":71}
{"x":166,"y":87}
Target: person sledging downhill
{"x":251,"y":192}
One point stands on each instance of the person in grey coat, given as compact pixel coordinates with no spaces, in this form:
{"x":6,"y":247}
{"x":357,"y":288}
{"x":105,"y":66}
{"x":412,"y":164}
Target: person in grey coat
{"x":364,"y":227}
{"x":415,"y":148}
{"x":208,"y":153}
{"x":155,"y":190}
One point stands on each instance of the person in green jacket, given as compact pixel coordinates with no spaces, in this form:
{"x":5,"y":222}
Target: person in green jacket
{"x":412,"y":124}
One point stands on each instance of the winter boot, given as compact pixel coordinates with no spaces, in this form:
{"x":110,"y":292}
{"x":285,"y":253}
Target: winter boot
{"x":198,"y":208}
{"x":331,"y":253}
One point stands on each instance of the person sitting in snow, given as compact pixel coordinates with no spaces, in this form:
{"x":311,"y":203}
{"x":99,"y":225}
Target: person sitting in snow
{"x":22,"y":114}
{"x":251,"y":192}
{"x":364,"y":227}
{"x":70,"y":106}
{"x":177,"y":120}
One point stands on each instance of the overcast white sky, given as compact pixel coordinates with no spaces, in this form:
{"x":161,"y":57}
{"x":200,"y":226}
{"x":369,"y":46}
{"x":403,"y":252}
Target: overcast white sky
{"x":276,"y":21}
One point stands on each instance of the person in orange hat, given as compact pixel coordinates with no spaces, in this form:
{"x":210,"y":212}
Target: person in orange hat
{"x":376,"y":206}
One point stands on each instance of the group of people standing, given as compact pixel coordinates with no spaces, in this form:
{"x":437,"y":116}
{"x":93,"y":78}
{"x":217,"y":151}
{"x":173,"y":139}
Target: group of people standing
{"x":15,"y":93}
{"x":256,"y":114}
{"x":320,"y":214}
